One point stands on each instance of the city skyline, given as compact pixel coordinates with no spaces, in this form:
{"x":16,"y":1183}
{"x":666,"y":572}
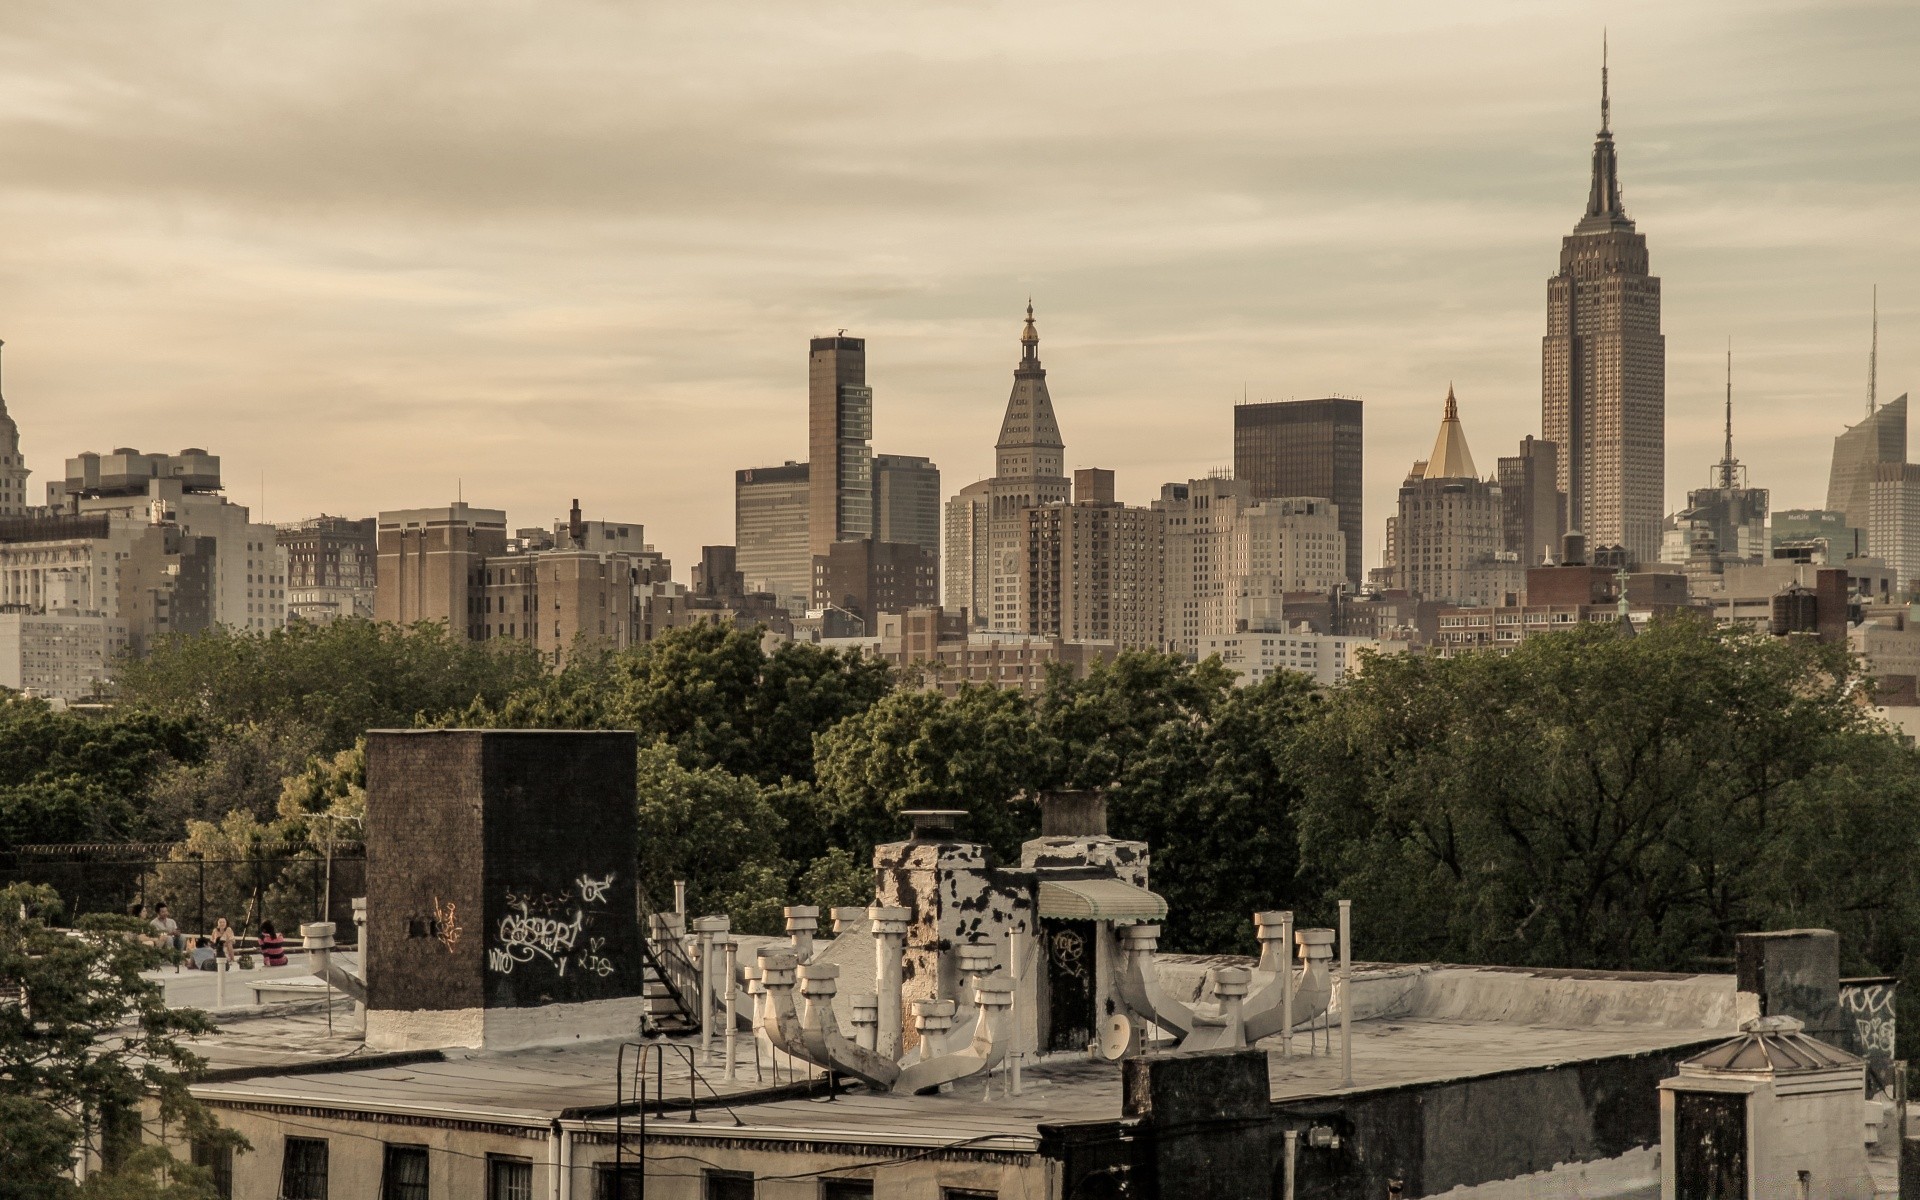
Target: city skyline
{"x":342,"y":323}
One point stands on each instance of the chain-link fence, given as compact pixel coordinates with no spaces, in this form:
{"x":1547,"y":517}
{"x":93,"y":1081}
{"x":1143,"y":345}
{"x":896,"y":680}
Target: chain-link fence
{"x":285,"y":882}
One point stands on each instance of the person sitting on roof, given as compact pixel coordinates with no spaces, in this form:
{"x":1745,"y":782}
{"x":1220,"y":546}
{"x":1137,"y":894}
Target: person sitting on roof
{"x":273,"y":950}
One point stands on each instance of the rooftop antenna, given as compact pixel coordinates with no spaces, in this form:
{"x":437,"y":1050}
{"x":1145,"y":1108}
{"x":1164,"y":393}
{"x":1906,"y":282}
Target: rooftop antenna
{"x":1606,"y":123}
{"x":1728,"y":468}
{"x":1873,"y":356}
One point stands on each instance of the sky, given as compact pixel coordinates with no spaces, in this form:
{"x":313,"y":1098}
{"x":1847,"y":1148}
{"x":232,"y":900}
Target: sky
{"x":380,"y":253}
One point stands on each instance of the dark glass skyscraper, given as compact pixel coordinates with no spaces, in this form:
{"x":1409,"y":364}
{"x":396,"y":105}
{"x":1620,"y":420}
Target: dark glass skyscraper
{"x":1304,"y":448}
{"x":839,"y":438}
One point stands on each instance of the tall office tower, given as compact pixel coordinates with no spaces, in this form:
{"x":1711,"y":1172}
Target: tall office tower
{"x":430,"y":563}
{"x":1893,"y":532}
{"x":1305,"y":448}
{"x":1723,"y":523}
{"x":1095,"y":569}
{"x":1449,"y":527}
{"x":1201,"y":517}
{"x":906,"y":501}
{"x":1533,"y":509}
{"x":331,"y":569}
{"x":969,"y":551}
{"x":1881,"y":438}
{"x":13,"y":467}
{"x":839,"y":433}
{"x":1029,"y":472}
{"x":1604,"y":369}
{"x":770,"y":521}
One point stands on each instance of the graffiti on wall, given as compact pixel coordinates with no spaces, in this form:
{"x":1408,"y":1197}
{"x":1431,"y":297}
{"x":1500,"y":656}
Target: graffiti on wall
{"x":1868,"y":1009}
{"x":554,"y":929}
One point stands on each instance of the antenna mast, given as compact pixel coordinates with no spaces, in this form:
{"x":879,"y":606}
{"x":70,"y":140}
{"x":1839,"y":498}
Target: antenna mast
{"x":1873,"y":356}
{"x":1726,"y":462}
{"x":1606,"y":123}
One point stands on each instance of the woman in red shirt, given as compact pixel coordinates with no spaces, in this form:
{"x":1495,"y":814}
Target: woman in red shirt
{"x":273,"y":951}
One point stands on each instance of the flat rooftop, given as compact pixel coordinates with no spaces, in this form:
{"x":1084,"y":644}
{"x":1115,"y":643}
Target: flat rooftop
{"x":1414,"y":1025}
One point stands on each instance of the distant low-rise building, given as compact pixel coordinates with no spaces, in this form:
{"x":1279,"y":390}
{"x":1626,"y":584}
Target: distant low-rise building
{"x":866,"y":577}
{"x":938,"y":650}
{"x":331,"y":568}
{"x":62,"y":651}
{"x":1257,"y":656}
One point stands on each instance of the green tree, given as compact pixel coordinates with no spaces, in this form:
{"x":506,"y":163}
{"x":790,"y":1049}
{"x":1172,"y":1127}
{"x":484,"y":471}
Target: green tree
{"x":711,"y":692}
{"x":1213,"y":798}
{"x":837,"y":880}
{"x":90,"y":1043}
{"x":980,"y":751}
{"x":338,"y":680}
{"x":714,"y":830}
{"x":71,"y":778}
{"x":1099,"y":729}
{"x":1594,"y":800}
{"x":243,"y":769}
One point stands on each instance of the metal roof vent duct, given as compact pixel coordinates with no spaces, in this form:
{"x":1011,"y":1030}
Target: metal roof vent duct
{"x":1073,"y":814}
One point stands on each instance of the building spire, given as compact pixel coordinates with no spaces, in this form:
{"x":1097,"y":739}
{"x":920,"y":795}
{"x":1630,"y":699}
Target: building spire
{"x":1604,"y":209}
{"x":1450,"y":458}
{"x":1029,"y":337}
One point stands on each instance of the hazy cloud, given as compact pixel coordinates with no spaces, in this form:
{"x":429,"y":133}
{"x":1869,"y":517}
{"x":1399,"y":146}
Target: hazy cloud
{"x":378,"y":251}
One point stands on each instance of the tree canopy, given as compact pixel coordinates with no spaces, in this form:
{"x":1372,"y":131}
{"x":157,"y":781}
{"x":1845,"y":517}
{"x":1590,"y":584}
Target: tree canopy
{"x":88,"y":1044}
{"x":1593,"y":800}
{"x":68,"y":777}
{"x":336,"y":680}
{"x":713,"y":693}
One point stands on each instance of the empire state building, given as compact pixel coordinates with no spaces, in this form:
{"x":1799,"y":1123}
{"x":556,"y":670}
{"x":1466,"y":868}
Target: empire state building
{"x":1603,"y":369}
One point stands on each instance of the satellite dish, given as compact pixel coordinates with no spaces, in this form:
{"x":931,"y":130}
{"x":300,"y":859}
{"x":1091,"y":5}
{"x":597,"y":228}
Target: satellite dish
{"x":1116,"y":1037}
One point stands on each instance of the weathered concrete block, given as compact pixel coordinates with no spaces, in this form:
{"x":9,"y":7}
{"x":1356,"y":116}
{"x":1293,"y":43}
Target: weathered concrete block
{"x":1794,"y":973}
{"x":500,"y":880}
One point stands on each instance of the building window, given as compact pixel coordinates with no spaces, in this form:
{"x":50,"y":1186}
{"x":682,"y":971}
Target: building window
{"x":947,"y":1193}
{"x":729,"y":1185}
{"x":405,"y":1174}
{"x":846,"y":1189}
{"x":218,"y":1160}
{"x":618,"y":1183}
{"x":509,"y":1178}
{"x":303,"y":1169}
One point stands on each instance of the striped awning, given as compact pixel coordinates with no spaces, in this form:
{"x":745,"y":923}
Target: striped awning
{"x":1100,"y":900}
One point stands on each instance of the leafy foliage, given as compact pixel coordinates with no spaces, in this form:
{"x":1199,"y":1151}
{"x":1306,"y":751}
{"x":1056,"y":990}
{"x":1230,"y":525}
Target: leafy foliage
{"x":1599,"y":801}
{"x":337,"y":680}
{"x":712,"y":693}
{"x":981,"y":751}
{"x":65,"y":777}
{"x":717,"y":832}
{"x":91,"y":1038}
{"x":242,"y":770}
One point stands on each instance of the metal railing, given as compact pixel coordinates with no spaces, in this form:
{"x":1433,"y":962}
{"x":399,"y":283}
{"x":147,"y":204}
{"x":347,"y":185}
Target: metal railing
{"x":287,"y":882}
{"x":657,"y":1051}
{"x":667,"y":959}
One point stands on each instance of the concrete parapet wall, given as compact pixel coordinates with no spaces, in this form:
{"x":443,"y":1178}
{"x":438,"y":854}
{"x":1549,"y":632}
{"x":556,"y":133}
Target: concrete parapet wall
{"x":1509,"y":995}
